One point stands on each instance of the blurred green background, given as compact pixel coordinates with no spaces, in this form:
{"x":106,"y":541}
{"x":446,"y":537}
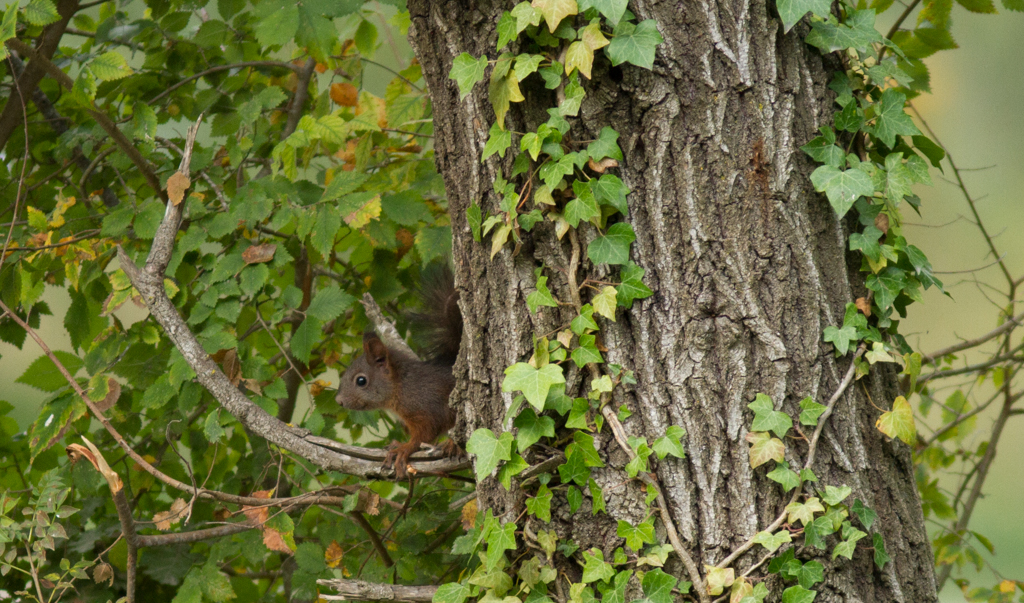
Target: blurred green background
{"x":977,"y":111}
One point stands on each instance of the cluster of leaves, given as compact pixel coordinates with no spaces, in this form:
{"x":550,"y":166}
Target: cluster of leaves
{"x":265,"y":270}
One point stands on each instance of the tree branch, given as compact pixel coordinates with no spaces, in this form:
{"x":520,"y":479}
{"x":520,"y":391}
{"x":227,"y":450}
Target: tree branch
{"x":371,"y":591}
{"x":972,"y":343}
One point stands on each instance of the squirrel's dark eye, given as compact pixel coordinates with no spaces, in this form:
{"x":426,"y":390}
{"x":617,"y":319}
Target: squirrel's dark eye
{"x":361,"y":381}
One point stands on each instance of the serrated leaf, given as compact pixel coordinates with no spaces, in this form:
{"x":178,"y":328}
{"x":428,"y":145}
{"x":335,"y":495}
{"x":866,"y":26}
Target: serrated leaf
{"x":44,"y":375}
{"x":329,"y":303}
{"x":41,"y":12}
{"x":110,"y":66}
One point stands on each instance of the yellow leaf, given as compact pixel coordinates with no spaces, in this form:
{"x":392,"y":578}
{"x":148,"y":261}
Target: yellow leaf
{"x":593,"y":37}
{"x":555,"y":10}
{"x":579,"y":56}
{"x":362,"y":215}
{"x":718,"y":579}
{"x":898,"y":422}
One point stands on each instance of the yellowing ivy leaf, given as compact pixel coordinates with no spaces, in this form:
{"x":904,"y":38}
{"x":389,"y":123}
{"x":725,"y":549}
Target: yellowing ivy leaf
{"x":764,"y":448}
{"x":804,"y":512}
{"x":718,"y":579}
{"x":555,"y":10}
{"x":579,"y":56}
{"x":898,"y":422}
{"x":604,"y":303}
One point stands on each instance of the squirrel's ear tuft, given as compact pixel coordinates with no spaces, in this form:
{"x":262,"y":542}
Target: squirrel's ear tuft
{"x":374,"y":348}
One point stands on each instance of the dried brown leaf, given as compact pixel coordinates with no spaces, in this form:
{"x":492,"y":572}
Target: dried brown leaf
{"x":259,"y":253}
{"x":177,"y":184}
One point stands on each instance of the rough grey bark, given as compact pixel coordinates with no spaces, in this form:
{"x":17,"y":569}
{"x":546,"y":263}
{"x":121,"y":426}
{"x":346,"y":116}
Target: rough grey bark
{"x":748,"y":266}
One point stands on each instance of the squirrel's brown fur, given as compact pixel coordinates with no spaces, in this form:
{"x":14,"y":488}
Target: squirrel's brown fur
{"x":417,"y":391}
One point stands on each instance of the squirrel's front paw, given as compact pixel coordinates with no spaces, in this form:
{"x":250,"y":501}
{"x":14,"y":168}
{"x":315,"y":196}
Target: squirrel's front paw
{"x":398,"y":457}
{"x":452,"y":450}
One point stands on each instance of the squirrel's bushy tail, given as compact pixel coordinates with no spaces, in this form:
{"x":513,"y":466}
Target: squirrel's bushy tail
{"x":441,"y":320}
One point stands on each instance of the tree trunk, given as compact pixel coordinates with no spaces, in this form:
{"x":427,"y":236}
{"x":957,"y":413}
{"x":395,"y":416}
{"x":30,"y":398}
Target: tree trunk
{"x":747,"y":263}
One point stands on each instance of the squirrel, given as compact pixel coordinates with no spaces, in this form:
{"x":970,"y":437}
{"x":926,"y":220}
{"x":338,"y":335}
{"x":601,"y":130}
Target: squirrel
{"x":415,"y":390}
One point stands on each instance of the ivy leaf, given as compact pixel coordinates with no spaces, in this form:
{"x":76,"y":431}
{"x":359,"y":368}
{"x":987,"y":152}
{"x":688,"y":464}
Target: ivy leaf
{"x":632,"y":286}
{"x":791,"y":11}
{"x":540,"y":505}
{"x":510,"y":469}
{"x":500,"y":540}
{"x":671,"y":443}
{"x":574,"y":469}
{"x":579,"y":56}
{"x":606,"y":145}
{"x":810,"y":411}
{"x":867,"y":243}
{"x":823,"y":149}
{"x":881,"y":556}
{"x":595,"y":567}
{"x":864,"y":513}
{"x":886,"y":285}
{"x":635,"y":43}
{"x":857,"y":31}
{"x":609,"y":190}
{"x":798,"y":594}
{"x":843,"y":188}
{"x":489,"y":450}
{"x":891,"y":120}
{"x":804,"y":512}
{"x":574,"y":94}
{"x":611,"y":9}
{"x":785,"y":476}
{"x":533,"y":382}
{"x":718,"y":579}
{"x":554,"y":11}
{"x":507,"y":31}
{"x":526,"y":15}
{"x":658,"y":585}
{"x":552,"y":173}
{"x":773,"y":542}
{"x":810,"y":573}
{"x":764,"y":448}
{"x":840,"y":338}
{"x":541,"y":297}
{"x":604,"y":303}
{"x":586,"y":352}
{"x":584,"y":206}
{"x":613,"y":247}
{"x":474,"y":217}
{"x":766,"y":418}
{"x":532,"y":428}
{"x":833,"y":495}
{"x":898,"y":422}
{"x":467,"y":71}
{"x":452,"y":592}
{"x":498,"y":141}
{"x":504,"y":88}
{"x":877,"y":353}
{"x":585,"y":320}
{"x":636,"y":536}
{"x":898,"y":178}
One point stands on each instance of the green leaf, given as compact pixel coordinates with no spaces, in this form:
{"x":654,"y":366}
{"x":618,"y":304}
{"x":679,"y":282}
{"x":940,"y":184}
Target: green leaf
{"x":636,"y":536}
{"x":503,"y":89}
{"x":305,"y":338}
{"x":857,"y":31}
{"x":891,"y":120}
{"x":766,"y":418}
{"x":886,"y":285}
{"x":671,"y":443}
{"x":898,"y":422}
{"x":613,"y":247}
{"x":585,"y":321}
{"x":804,"y":512}
{"x":595,"y":567}
{"x":574,"y":469}
{"x":533,"y":382}
{"x":500,"y":540}
{"x":532,"y":428}
{"x":606,"y":145}
{"x":843,"y":188}
{"x":635,"y":43}
{"x":110,"y":66}
{"x":586,"y":352}
{"x":867,"y":243}
{"x":791,"y":11}
{"x":43,"y":374}
{"x":809,"y":574}
{"x":540,"y":505}
{"x":798,"y":594}
{"x":773,"y":542}
{"x":489,"y":450}
{"x":584,"y":207}
{"x":611,"y":9}
{"x":329,"y":303}
{"x":609,"y":190}
{"x":833,"y":495}
{"x":474,"y":218}
{"x":785,"y":476}
{"x":552,"y":173}
{"x":632,"y":286}
{"x":864,"y":513}
{"x":507,"y":31}
{"x":881,"y":556}
{"x":840,"y":338}
{"x":579,"y":56}
{"x":810,"y":411}
{"x":467,"y":71}
{"x":510,"y":469}
{"x":452,"y":592}
{"x":541,"y":297}
{"x":41,"y":12}
{"x":498,"y":141}
{"x":823,"y":149}
{"x":8,"y":28}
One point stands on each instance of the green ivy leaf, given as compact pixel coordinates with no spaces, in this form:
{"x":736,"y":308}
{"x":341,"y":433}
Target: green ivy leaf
{"x":632,"y":286}
{"x":636,"y":536}
{"x":574,"y":469}
{"x":613,"y":247}
{"x":532,"y":428}
{"x":606,"y":145}
{"x":791,"y":11}
{"x":489,"y":450}
{"x":798,"y":594}
{"x":595,"y":567}
{"x":500,"y":540}
{"x":810,"y":411}
{"x":785,"y":476}
{"x":766,"y":418}
{"x":881,"y":556}
{"x":585,"y":321}
{"x":584,"y":207}
{"x":840,"y":338}
{"x":533,"y":382}
{"x":609,"y":190}
{"x":857,"y":31}
{"x":671,"y":443}
{"x":635,"y":43}
{"x":586,"y":352}
{"x":864,"y":513}
{"x":804,"y":512}
{"x":541,"y":297}
{"x":772,"y":542}
{"x":891,"y":120}
{"x":474,"y":217}
{"x":867,"y":243}
{"x":540,"y":505}
{"x":823,"y":149}
{"x":842,"y":187}
{"x":452,"y":592}
{"x":611,"y":9}
{"x":809,"y":574}
{"x":833,"y":495}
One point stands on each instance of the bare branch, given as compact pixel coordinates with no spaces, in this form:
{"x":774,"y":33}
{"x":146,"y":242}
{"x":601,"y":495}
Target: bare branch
{"x":371,"y":591}
{"x":973,"y":343}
